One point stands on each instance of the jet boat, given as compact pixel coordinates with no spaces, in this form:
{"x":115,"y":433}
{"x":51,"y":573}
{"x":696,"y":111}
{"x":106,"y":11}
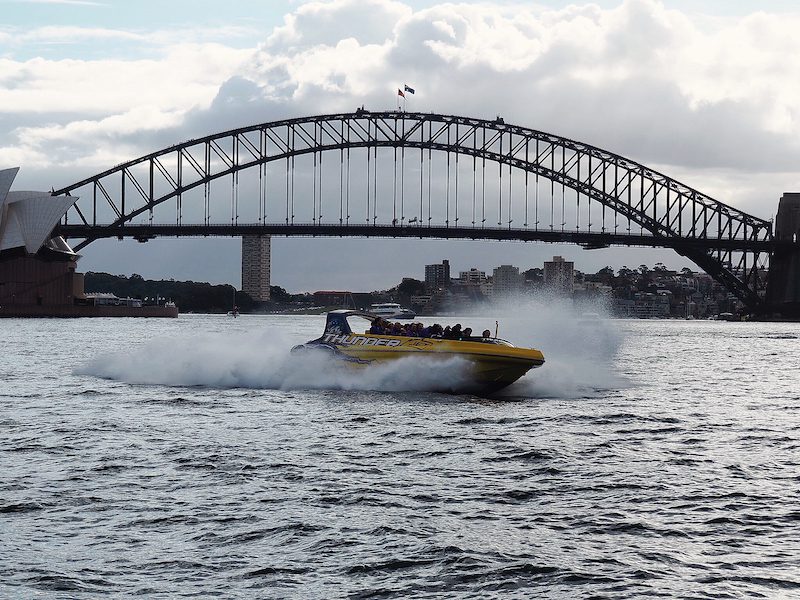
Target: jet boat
{"x":492,"y":363}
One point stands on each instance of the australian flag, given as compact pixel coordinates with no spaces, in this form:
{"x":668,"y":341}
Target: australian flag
{"x":410,"y":90}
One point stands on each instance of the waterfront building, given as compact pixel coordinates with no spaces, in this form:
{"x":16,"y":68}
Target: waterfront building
{"x":255,"y":266}
{"x":472,"y":277}
{"x":38,"y":275}
{"x":506,"y":279}
{"x":437,"y":276}
{"x":559,"y":275}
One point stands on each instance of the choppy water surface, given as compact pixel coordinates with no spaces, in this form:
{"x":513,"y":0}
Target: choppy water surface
{"x":189,"y":457}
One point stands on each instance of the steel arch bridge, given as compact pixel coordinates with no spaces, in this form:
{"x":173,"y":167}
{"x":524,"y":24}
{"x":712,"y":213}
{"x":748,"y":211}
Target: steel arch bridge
{"x":417,"y":175}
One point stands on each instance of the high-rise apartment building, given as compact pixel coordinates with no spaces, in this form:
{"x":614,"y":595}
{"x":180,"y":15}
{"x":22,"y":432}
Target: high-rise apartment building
{"x":506,"y":280}
{"x":437,"y":276}
{"x":472,"y":277}
{"x":559,"y":275}
{"x":255,"y":266}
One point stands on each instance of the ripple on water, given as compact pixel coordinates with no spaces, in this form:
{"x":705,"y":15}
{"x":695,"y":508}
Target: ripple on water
{"x":679,"y":482}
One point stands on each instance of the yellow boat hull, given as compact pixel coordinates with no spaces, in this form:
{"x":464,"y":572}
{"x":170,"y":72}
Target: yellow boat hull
{"x":492,"y":365}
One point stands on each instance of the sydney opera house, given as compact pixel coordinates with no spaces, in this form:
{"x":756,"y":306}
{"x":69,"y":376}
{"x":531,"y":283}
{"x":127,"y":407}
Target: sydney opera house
{"x":37,"y":270}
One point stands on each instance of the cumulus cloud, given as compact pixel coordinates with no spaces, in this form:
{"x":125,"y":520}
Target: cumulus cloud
{"x":327,"y":23}
{"x":641,"y":79}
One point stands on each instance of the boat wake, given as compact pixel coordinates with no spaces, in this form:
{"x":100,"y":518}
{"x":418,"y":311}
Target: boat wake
{"x":581,"y":348}
{"x":580,"y":359}
{"x":260,"y":361}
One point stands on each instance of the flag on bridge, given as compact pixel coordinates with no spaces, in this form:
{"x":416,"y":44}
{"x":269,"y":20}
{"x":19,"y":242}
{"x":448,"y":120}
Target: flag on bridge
{"x":410,"y":90}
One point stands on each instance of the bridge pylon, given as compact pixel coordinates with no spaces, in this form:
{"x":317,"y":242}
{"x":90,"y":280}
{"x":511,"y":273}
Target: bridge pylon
{"x":256,"y":266}
{"x":783,"y":285}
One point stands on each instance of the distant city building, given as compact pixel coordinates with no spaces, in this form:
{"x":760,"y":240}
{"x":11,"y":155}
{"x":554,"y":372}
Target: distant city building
{"x":559,"y":275}
{"x":533,"y":277}
{"x":437,"y":276}
{"x":331,"y":298}
{"x":472,"y":277}
{"x":255,"y":266}
{"x":506,"y":279}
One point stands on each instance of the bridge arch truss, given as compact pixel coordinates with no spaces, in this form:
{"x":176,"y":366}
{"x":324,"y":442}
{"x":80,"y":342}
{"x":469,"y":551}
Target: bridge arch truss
{"x":418,"y":175}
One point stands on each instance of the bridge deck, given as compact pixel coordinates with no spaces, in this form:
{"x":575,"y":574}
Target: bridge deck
{"x":586,"y":239}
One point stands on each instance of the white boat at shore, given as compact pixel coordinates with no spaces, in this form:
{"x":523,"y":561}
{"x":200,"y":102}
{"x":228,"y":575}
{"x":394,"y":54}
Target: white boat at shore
{"x":391,"y":310}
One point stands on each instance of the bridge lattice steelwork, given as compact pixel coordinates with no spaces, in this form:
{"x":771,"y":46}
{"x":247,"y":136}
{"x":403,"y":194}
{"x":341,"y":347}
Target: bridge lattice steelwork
{"x":403,"y":174}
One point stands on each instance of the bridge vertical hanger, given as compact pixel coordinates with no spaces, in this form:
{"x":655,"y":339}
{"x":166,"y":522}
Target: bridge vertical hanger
{"x":527,"y":173}
{"x":94,"y":203}
{"x":375,"y":180}
{"x":474,"y":171}
{"x":447,"y":181}
{"x":151,"y":191}
{"x":265,"y":212}
{"x":578,"y":194}
{"x":603,"y":206}
{"x":341,"y":178}
{"x":288,"y":158}
{"x":233,"y":185}
{"x":293,"y":155}
{"x":394,"y":173}
{"x":500,"y":184}
{"x":537,"y":186}
{"x":616,"y":193}
{"x":552,"y":151}
{"x":402,"y":177}
{"x":347,"y":183}
{"x":321,"y":171}
{"x":510,"y":180}
{"x":563,"y":188}
{"x":455,"y":188}
{"x":179,"y":197}
{"x":589,"y":196}
{"x":483,"y":180}
{"x":207,"y":186}
{"x":421,"y":183}
{"x":369,"y":171}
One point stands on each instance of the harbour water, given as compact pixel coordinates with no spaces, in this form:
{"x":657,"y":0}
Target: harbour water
{"x":191,"y":457}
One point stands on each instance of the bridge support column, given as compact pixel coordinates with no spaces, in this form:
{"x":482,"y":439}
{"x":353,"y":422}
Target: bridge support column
{"x":255,"y":266}
{"x":783,"y":285}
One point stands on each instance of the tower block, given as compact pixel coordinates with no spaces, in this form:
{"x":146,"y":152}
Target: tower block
{"x":783,"y":285}
{"x":255,"y":266}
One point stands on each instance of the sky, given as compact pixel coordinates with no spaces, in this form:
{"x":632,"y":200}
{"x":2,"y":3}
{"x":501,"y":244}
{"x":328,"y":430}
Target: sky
{"x":704,"y":91}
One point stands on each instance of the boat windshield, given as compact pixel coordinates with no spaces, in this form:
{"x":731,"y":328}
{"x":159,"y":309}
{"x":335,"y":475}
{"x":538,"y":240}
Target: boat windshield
{"x":339,"y":323}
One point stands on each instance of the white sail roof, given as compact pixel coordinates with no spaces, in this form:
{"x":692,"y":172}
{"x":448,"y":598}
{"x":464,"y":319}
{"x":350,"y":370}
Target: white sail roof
{"x":28,"y":218}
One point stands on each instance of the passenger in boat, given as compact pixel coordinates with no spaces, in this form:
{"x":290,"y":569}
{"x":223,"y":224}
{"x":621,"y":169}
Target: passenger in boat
{"x":486,"y":334}
{"x":446,"y":333}
{"x":377,"y":327}
{"x":455,"y":332}
{"x":467,"y":333}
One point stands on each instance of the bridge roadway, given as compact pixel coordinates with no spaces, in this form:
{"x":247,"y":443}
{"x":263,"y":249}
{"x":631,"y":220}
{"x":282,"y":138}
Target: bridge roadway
{"x":589,"y":240}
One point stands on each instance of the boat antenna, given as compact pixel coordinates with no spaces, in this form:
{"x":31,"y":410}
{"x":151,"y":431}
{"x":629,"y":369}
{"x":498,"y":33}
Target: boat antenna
{"x":496,"y":327}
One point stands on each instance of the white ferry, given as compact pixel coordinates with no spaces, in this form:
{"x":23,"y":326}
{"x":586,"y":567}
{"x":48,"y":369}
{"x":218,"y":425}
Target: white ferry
{"x":390,"y":310}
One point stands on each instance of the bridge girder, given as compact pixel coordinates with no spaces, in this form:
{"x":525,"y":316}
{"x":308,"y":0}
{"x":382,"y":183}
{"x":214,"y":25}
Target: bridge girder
{"x":732,"y":246}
